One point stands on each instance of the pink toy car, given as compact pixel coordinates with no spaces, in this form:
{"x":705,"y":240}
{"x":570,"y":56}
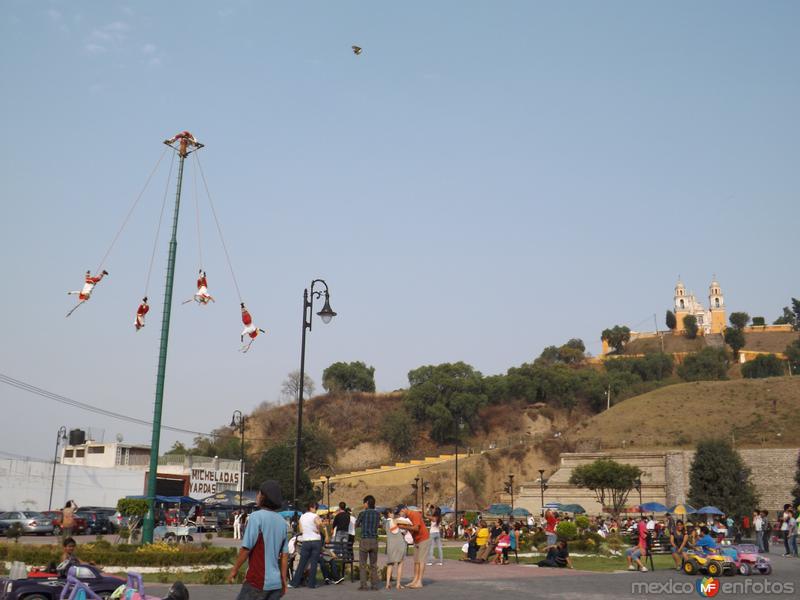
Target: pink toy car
{"x":747,"y":559}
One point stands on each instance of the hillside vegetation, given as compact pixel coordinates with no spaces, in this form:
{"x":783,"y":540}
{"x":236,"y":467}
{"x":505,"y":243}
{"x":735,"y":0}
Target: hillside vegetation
{"x":752,"y":412}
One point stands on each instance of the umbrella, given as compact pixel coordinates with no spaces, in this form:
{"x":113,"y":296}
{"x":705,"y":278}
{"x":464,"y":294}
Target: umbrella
{"x":446,"y":510}
{"x":415,"y":508}
{"x":520,"y":512}
{"x":323,"y":511}
{"x":573,"y":508}
{"x":709,"y":510}
{"x":681,"y":509}
{"x":286,"y":514}
{"x":652,"y":507}
{"x":499,"y":509}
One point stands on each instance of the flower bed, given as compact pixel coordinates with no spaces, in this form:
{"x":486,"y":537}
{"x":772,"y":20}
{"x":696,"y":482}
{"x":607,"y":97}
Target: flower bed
{"x":123,"y":555}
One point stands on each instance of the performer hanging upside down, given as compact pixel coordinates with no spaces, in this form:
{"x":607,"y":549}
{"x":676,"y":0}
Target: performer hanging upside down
{"x":88,"y":286}
{"x":202,"y":296}
{"x":143,"y":309}
{"x":185,"y":138}
{"x":249,"y":329}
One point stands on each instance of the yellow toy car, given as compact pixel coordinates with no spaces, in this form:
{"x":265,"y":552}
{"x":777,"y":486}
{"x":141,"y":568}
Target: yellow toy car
{"x":712,"y":563}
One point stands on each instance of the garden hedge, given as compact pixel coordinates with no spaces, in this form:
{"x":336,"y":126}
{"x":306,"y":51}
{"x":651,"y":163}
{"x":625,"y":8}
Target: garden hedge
{"x":123,"y":555}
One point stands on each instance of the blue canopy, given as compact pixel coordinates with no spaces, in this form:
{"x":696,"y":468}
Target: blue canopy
{"x":288,"y":514}
{"x":709,"y":510}
{"x":499,"y":509}
{"x":553,"y":505}
{"x":520,"y":512}
{"x":652,"y":507}
{"x":168,"y":499}
{"x":446,"y":510}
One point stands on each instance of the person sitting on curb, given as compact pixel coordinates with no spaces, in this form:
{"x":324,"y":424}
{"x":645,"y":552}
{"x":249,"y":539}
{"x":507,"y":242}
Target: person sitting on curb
{"x":557,"y":556}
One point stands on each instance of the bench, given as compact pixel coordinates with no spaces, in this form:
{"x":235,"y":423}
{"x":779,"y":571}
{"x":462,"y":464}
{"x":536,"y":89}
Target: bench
{"x":344,"y":556}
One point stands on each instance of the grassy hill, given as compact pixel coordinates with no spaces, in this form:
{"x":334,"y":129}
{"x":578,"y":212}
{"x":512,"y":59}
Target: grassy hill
{"x":755,"y":412}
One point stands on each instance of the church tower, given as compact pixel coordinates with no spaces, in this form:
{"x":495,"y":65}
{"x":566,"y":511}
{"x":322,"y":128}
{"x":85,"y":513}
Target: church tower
{"x":681,"y":305}
{"x":716,"y":304}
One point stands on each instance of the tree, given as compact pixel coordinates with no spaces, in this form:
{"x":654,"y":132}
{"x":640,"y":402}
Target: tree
{"x":349,"y":377}
{"x":690,"y":325}
{"x":440,"y":394}
{"x":734,"y":337}
{"x":708,"y":364}
{"x":718,"y":477}
{"x":278,"y":463}
{"x":796,"y":488}
{"x":791,"y":316}
{"x":739,"y":319}
{"x":792,"y":353}
{"x":763,"y":365}
{"x":223,"y":443}
{"x":399,"y":431}
{"x":617,"y":337}
{"x":758,"y":321}
{"x":318,"y":448}
{"x":177,"y":449}
{"x":290,"y":388}
{"x":571,"y":353}
{"x":610,"y":481}
{"x":672,"y":321}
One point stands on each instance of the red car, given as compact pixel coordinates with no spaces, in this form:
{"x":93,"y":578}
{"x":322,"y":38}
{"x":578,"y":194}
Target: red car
{"x":56,"y":516}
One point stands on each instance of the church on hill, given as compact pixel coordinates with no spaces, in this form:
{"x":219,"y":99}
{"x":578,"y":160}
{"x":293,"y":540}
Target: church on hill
{"x":709,"y":320}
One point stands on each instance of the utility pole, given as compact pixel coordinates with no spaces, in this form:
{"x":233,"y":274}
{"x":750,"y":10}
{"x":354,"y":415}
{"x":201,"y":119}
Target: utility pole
{"x":185,"y":142}
{"x":608,"y":397}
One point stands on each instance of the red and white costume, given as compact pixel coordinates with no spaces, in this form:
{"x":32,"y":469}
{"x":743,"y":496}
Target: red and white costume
{"x":88,"y":285}
{"x":250,"y":329}
{"x":185,"y":139}
{"x":202,"y":296}
{"x":143,"y":309}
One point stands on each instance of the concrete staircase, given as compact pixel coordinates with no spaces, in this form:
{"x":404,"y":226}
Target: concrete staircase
{"x":399,"y":466}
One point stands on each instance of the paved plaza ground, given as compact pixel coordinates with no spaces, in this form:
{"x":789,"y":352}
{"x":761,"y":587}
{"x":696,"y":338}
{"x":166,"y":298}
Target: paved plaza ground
{"x":465,"y":581}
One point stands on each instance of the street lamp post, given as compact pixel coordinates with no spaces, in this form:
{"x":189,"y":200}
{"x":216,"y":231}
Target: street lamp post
{"x":326,"y":314}
{"x":510,"y":489}
{"x":638,"y":485}
{"x":458,"y":435}
{"x":237,"y":422}
{"x":542,"y":486}
{"x":415,"y":485}
{"x":425,"y":487}
{"x":328,"y":490}
{"x":60,"y":437}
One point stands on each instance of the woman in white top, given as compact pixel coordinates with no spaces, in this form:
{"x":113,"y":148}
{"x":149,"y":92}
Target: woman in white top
{"x":435,"y":531}
{"x":312,"y":531}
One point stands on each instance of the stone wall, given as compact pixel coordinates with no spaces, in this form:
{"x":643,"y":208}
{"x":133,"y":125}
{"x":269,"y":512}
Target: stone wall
{"x":665,"y":478}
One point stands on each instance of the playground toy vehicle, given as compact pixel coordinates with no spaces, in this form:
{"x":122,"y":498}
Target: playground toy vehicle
{"x":39,"y":585}
{"x":747,"y":559}
{"x":712,"y":563}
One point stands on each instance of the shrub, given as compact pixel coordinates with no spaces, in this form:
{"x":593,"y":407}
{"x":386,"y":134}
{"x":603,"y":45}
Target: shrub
{"x":214,"y":576}
{"x":706,"y":365}
{"x":763,"y":365}
{"x":582,"y":522}
{"x":397,"y":429}
{"x":567,"y":530}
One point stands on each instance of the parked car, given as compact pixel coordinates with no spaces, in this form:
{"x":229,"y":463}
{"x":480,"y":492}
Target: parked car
{"x":44,"y":586}
{"x":30,"y":522}
{"x":56,"y":516}
{"x":97,"y":521}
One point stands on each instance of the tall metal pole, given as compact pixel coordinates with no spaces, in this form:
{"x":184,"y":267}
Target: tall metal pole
{"x":62,"y":433}
{"x":241,"y":470}
{"x":147,"y":526}
{"x":456,"y":502}
{"x":299,"y":440}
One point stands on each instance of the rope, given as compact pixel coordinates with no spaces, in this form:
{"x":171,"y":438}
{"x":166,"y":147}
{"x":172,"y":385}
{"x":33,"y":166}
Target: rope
{"x":219,"y":229}
{"x":158,"y":228}
{"x":197,"y":212}
{"x":130,"y":212}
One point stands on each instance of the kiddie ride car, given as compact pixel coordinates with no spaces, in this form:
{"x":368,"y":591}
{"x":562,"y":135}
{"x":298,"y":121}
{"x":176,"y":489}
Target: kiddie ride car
{"x":747,"y":559}
{"x":84,"y":582}
{"x":712,"y":563}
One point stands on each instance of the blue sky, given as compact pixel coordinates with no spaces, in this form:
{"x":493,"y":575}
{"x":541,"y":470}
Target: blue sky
{"x":488,"y":178}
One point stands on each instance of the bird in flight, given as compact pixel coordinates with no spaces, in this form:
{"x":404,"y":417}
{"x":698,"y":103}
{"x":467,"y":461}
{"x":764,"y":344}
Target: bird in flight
{"x":356,"y":50}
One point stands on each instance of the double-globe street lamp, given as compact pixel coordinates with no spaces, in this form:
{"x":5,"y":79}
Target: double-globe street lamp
{"x":509,"y":485}
{"x":459,"y":429}
{"x":238,"y":422}
{"x":326,"y":314}
{"x":60,"y":437}
{"x":542,"y":487}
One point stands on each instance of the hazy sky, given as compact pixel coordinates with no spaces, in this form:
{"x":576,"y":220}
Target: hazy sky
{"x":487,"y":178}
